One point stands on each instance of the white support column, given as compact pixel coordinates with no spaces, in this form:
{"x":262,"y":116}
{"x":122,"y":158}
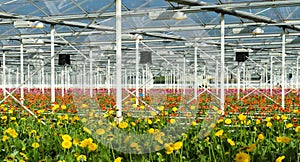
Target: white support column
{"x":108,"y":76}
{"x":28,"y":75}
{"x":184,"y":74}
{"x":17,"y":78}
{"x":144,"y":85}
{"x":137,"y":70}
{"x":227,"y":78}
{"x":222,"y":103}
{"x":266,"y":77}
{"x":244,"y":76}
{"x":22,"y":72}
{"x":62,"y":83}
{"x":43,"y":77}
{"x":217,"y":79}
{"x":91,"y":73}
{"x":3,"y":74}
{"x":119,"y":60}
{"x":52,"y":66}
{"x":174,"y":78}
{"x":283,"y":71}
{"x":179,"y":81}
{"x":68,"y":78}
{"x":195,"y":73}
{"x":238,"y":82}
{"x":84,"y":78}
{"x":9,"y":79}
{"x":271,"y":76}
{"x":205,"y":77}
{"x":297,"y":76}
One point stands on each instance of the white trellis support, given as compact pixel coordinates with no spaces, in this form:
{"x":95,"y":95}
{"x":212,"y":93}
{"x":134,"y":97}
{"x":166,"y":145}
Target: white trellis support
{"x":283,"y":70}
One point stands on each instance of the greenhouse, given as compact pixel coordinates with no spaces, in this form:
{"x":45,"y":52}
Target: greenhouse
{"x":150,"y":80}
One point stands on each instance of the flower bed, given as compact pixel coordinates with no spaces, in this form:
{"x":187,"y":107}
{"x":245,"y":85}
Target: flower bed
{"x":252,"y":129}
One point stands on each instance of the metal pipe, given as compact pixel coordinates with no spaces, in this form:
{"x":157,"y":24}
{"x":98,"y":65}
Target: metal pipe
{"x":119,"y":59}
{"x":222,"y":103}
{"x":283,"y":70}
{"x":22,"y":72}
{"x":52,"y":66}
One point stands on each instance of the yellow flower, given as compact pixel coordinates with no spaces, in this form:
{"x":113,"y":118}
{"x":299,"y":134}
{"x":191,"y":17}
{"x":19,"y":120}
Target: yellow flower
{"x":174,"y":109}
{"x":142,"y":107}
{"x":32,"y":132}
{"x":9,"y":158}
{"x":55,"y":107}
{"x":35,"y":145}
{"x":286,"y":139}
{"x":220,"y":121}
{"x":261,"y":137}
{"x":268,"y":119}
{"x":84,"y":120}
{"x":280,"y":158}
{"x":134,"y":105}
{"x":257,"y":121}
{"x":118,"y":159}
{"x":24,"y":155}
{"x":228,"y":121}
{"x":75,"y":141}
{"x":5,"y":138}
{"x":87,"y":130}
{"x":153,"y":113}
{"x":123,"y":125}
{"x":100,"y":131}
{"x":161,"y":108}
{"x":289,"y":125}
{"x":92,"y":147}
{"x":242,"y":117}
{"x":219,"y":133}
{"x":84,"y":105}
{"x":61,"y":161}
{"x":168,"y":148}
{"x":151,"y":131}
{"x":134,"y":144}
{"x":193,"y":123}
{"x":248,"y":122}
{"x":172,"y":121}
{"x":192,"y":107}
{"x":11,"y":132}
{"x":132,"y":124}
{"x":66,"y":144}
{"x":157,"y":147}
{"x":242,"y":157}
{"x":86,"y":142}
{"x":269,"y":124}
{"x":177,"y":145}
{"x":12,"y":118}
{"x":149,"y":121}
{"x":63,"y":107}
{"x":66,"y":137}
{"x":283,"y":139}
{"x":231,"y":142}
{"x":297,"y":129}
{"x":279,"y":139}
{"x":81,"y":158}
{"x":284,"y":117}
{"x":4,"y":117}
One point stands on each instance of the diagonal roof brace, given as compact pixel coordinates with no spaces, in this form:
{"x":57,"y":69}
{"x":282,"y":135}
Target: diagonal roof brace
{"x":237,"y":13}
